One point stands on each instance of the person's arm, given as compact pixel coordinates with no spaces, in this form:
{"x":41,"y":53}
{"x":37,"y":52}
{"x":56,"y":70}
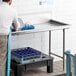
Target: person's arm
{"x":16,"y":23}
{"x":16,"y":26}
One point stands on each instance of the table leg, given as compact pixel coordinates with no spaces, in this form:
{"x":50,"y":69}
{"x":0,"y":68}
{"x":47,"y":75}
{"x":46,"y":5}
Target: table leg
{"x":49,"y":43}
{"x":50,"y":66}
{"x":18,"y":71}
{"x":63,"y":48}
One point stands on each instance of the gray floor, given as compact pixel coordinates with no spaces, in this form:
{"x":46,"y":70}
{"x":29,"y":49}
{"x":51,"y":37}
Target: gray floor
{"x":58,"y":71}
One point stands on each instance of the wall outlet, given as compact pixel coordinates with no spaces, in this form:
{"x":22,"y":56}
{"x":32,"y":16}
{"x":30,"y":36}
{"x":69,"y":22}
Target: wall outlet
{"x":42,"y":2}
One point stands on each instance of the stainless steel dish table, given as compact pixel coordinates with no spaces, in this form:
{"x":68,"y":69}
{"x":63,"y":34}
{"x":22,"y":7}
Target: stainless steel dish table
{"x":51,"y":25}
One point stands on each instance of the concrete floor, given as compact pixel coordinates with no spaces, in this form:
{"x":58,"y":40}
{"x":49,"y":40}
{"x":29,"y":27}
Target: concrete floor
{"x":58,"y":71}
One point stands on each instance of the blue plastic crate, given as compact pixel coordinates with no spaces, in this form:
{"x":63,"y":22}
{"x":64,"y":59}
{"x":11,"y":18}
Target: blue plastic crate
{"x":25,"y":55}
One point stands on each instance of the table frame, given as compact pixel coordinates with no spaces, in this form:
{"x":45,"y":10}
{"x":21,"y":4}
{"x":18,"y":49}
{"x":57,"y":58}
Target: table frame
{"x":50,"y":51}
{"x":57,"y":26}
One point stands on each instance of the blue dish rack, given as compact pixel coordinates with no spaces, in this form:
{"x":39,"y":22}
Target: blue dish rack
{"x":25,"y":55}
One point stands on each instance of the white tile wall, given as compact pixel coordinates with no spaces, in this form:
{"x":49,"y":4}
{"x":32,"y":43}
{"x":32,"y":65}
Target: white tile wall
{"x":65,"y":11}
{"x":36,"y":18}
{"x":32,"y":6}
{"x":36,"y":40}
